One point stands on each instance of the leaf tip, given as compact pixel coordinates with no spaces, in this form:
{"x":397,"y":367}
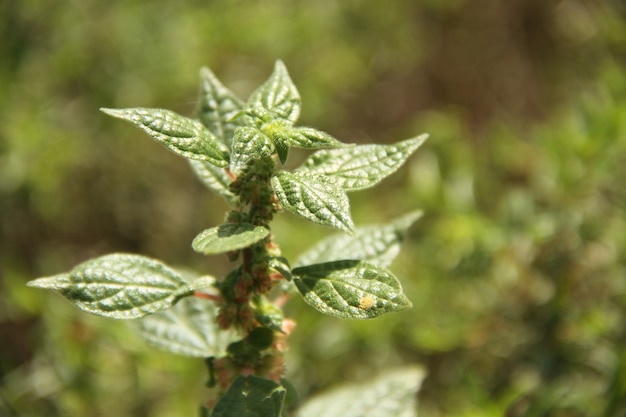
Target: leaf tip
{"x":118,"y":113}
{"x":49,"y":283}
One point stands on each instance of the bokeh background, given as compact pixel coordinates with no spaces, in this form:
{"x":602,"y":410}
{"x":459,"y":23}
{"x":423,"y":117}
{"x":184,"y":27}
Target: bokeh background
{"x":516,"y":271}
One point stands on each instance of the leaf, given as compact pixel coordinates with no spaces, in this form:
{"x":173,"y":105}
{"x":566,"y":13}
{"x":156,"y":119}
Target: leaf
{"x":121,"y":286}
{"x":185,"y":137}
{"x":350,"y":289}
{"x":305,"y":137}
{"x":278,"y":95}
{"x":392,"y":394}
{"x":218,"y":107}
{"x":359,"y":167}
{"x":282,"y":150}
{"x":249,"y":143}
{"x":251,"y":396}
{"x":228,"y":237}
{"x":215,"y":179}
{"x":189,"y":328}
{"x":313,"y":198}
{"x":376,"y":244}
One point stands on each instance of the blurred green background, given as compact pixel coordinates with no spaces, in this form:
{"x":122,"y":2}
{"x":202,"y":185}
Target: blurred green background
{"x":516,"y":271}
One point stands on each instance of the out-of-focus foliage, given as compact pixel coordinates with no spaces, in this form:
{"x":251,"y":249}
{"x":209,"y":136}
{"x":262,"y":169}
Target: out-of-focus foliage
{"x":516,"y":270}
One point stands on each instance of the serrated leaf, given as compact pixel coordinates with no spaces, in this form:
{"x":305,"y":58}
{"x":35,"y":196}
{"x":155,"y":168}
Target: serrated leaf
{"x":218,"y":107}
{"x":215,"y":178}
{"x":249,"y":143}
{"x":376,"y":244}
{"x":360,"y":167}
{"x":189,"y":328}
{"x":350,"y":289}
{"x":251,"y":396}
{"x":181,"y":135}
{"x":121,"y":286}
{"x":305,"y":137}
{"x":392,"y":394}
{"x":278,"y":95}
{"x":313,"y":198}
{"x":228,"y":237}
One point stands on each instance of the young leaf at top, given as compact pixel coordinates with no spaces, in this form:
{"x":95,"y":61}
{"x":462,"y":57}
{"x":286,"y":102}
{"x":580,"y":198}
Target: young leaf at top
{"x":392,"y":394}
{"x":350,"y":289}
{"x":376,"y":244}
{"x":278,"y":95}
{"x":360,"y":167}
{"x":218,"y":107}
{"x":249,"y":143}
{"x":251,"y":396}
{"x":188,"y":328}
{"x":303,"y":137}
{"x":314,"y":198}
{"x":181,"y":135}
{"x":121,"y":286}
{"x":228,"y":237}
{"x":215,"y":178}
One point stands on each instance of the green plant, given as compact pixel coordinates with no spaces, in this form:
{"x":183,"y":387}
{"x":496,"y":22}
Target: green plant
{"x":236,"y":322}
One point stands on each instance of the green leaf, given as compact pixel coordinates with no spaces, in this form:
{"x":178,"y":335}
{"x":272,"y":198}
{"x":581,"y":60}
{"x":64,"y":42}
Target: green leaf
{"x":181,"y":135}
{"x":282,"y":150}
{"x":376,"y":244}
{"x":304,"y":137}
{"x":278,"y":95}
{"x":392,"y":394}
{"x":359,"y":167}
{"x":251,"y":396}
{"x":249,"y":143}
{"x":314,"y":198}
{"x":215,"y":178}
{"x":228,"y":237}
{"x":350,"y":289}
{"x":281,"y":265}
{"x":189,"y":328}
{"x":121,"y":286}
{"x":218,"y":107}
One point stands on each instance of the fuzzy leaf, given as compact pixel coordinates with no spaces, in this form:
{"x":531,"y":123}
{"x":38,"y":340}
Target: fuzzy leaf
{"x":189,"y":328}
{"x":350,"y":289}
{"x":305,"y":137}
{"x":121,"y":286}
{"x":376,"y":244}
{"x":218,"y":107}
{"x":249,"y":143}
{"x":358,"y":167}
{"x":228,"y":237}
{"x":215,"y":178}
{"x":185,"y":137}
{"x":313,"y":198}
{"x":251,"y":396}
{"x":278,"y":95}
{"x":392,"y":394}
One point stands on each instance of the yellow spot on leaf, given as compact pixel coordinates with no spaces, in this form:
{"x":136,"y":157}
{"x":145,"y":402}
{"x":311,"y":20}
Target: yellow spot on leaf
{"x":366,"y":302}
